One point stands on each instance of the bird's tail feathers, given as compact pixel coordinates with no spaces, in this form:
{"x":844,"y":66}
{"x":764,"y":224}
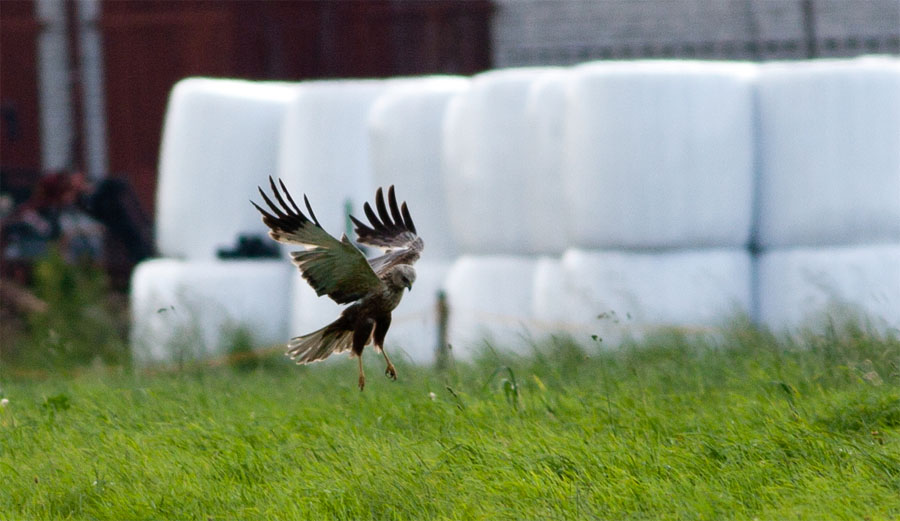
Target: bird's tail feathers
{"x":320,"y":344}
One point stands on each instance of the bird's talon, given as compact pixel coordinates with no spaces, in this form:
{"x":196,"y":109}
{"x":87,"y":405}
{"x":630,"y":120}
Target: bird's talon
{"x":362,"y":382}
{"x":390,"y":372}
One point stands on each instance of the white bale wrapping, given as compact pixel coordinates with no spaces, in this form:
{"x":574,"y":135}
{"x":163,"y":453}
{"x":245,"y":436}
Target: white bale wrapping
{"x":486,"y":141}
{"x":490,"y":299}
{"x":545,"y":204}
{"x":614,"y":292}
{"x":325,"y":148}
{"x":659,"y":154}
{"x":185,"y":309}
{"x":549,"y":290}
{"x":405,"y":130}
{"x":220,"y":140}
{"x":829,"y":152}
{"x":798,"y":287}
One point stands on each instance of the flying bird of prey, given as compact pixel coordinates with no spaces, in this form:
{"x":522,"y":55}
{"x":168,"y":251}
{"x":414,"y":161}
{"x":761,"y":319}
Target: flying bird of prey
{"x":339,"y":269}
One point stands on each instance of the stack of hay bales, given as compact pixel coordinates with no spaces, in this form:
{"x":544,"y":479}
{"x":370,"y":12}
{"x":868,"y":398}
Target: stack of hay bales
{"x":829,"y":192}
{"x":609,"y":198}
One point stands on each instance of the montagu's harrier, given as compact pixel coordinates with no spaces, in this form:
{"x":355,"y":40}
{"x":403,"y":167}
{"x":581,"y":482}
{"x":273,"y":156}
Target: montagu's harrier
{"x":339,"y":269}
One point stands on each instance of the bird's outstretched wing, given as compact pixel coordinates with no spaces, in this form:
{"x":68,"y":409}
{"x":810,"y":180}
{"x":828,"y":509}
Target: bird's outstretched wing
{"x":391,"y":229}
{"x":332,"y":267}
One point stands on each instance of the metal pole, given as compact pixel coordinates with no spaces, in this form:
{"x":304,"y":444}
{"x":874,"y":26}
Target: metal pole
{"x":93,"y":99}
{"x":809,"y":28}
{"x":54,"y":86}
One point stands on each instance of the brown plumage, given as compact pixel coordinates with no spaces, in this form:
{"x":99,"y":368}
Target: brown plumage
{"x":339,"y":269}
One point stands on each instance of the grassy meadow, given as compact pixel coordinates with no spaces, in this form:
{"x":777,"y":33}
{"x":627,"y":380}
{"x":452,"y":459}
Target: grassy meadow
{"x":743,"y":426}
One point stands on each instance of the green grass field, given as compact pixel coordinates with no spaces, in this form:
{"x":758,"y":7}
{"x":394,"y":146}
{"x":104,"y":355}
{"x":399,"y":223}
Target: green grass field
{"x":742,"y":427}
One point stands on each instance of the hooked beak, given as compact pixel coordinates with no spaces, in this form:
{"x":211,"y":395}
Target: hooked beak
{"x":409,"y":286}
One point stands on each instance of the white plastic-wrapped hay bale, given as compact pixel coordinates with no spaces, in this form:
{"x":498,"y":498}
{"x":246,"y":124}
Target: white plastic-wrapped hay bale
{"x":659,"y":154}
{"x":829,"y":151}
{"x":802,"y":287}
{"x":219,"y":141}
{"x":489,"y":300}
{"x":545,"y":111}
{"x":187,"y":309}
{"x":486,"y":141}
{"x":325,"y":148}
{"x":405,"y":131}
{"x":550,"y":291}
{"x":615,"y":292}
{"x":413,"y":332}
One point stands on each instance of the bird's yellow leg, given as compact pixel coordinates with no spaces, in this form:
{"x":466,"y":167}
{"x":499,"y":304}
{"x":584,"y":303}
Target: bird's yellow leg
{"x":389,"y":371}
{"x":362,"y":377}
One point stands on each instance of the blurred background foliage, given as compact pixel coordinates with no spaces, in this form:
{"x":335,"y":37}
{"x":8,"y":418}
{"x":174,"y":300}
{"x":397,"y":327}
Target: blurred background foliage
{"x":81,"y":322}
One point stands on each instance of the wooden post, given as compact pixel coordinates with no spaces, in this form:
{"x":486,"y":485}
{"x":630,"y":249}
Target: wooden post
{"x":442,"y":348}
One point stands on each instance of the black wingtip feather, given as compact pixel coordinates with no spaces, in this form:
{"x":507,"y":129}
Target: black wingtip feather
{"x":278,"y":195}
{"x":312,"y":215}
{"x":263,"y":212}
{"x":283,"y":215}
{"x":391,"y":226}
{"x":395,"y":212}
{"x":407,"y":219}
{"x":382,"y":209}
{"x":361,"y":229}
{"x":271,"y":205}
{"x":376,"y":223}
{"x":289,"y":198}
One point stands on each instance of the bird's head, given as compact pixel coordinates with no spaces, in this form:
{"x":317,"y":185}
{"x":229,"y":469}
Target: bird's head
{"x":403,"y":276}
